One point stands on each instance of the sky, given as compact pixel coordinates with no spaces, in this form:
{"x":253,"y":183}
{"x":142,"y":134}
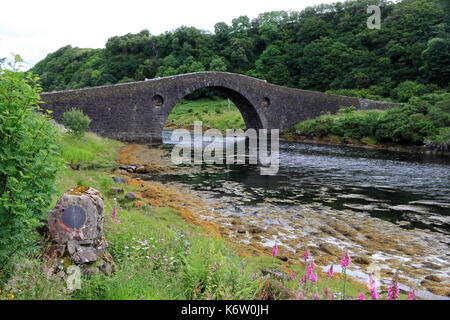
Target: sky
{"x":35,"y":28}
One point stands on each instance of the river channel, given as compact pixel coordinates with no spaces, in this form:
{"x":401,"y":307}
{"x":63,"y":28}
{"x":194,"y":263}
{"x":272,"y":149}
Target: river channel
{"x":385,"y":208}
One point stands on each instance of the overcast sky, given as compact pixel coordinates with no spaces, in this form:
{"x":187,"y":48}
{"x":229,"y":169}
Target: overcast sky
{"x":35,"y":28}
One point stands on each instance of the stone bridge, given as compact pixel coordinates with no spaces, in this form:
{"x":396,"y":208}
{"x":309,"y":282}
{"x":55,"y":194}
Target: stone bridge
{"x":137,"y":111}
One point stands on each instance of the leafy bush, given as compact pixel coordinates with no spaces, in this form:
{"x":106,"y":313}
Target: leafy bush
{"x":407,"y":89}
{"x":29,"y":159}
{"x":443,"y":136}
{"x":76,"y":121}
{"x":413,"y":123}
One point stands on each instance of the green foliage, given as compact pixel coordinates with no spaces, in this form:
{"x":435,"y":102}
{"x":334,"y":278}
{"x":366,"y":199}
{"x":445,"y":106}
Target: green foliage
{"x":324,"y":47}
{"x":443,"y":136}
{"x":425,"y":117}
{"x":437,"y":61}
{"x":218,"y":64}
{"x":29,"y":161}
{"x":408,"y":89}
{"x":213,"y":113}
{"x":76,"y":121}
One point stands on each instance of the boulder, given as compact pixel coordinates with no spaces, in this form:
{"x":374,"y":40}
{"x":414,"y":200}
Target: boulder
{"x":76,"y":225}
{"x":141,"y":169}
{"x":119,"y":180}
{"x":131,"y":196}
{"x":78,"y":215}
{"x":117,"y":190}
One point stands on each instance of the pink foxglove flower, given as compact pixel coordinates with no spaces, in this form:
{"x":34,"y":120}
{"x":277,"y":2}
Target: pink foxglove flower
{"x":361,"y":297}
{"x":373,"y":290}
{"x":316,"y":297}
{"x":254,"y":276}
{"x":330,"y":272}
{"x":345,"y":260}
{"x":393,"y":293}
{"x":411,"y":295}
{"x":313,"y":278}
{"x":275,"y":250}
{"x":303,"y":280}
{"x":310,"y":269}
{"x":306,"y":255}
{"x":114,"y":214}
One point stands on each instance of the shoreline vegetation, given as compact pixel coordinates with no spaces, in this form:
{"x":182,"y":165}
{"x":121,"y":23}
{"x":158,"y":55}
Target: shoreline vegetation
{"x":420,"y":125}
{"x":157,"y":243}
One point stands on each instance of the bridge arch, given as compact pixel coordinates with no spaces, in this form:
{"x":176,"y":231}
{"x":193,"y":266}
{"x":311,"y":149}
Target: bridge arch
{"x":137,"y":111}
{"x":252,"y":117}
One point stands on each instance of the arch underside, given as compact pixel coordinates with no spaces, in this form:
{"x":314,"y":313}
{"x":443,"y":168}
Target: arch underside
{"x":248,"y":111}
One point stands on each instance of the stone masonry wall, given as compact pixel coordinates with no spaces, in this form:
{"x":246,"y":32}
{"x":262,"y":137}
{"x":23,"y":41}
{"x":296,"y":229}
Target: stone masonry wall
{"x":137,"y":111}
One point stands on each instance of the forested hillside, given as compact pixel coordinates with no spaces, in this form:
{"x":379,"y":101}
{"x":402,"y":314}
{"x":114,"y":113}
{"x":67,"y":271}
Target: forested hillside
{"x":325,"y":48}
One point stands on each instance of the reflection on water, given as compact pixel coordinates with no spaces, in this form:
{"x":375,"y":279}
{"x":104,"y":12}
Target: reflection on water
{"x":409,"y":189}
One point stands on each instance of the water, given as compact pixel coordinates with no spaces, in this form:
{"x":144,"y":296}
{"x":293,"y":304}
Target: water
{"x":411,"y":190}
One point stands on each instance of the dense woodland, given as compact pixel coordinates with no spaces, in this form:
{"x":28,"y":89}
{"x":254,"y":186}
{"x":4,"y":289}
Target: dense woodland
{"x":324,"y":48}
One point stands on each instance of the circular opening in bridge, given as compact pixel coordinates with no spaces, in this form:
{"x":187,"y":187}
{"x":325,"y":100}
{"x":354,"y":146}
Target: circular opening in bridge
{"x":157,"y":100}
{"x":265,"y":102}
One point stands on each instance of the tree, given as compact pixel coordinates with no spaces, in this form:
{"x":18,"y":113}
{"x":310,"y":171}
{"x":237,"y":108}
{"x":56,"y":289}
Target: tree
{"x":321,"y":48}
{"x":218,"y":64}
{"x":271,"y":65}
{"x":436,"y":59}
{"x":29,"y":162}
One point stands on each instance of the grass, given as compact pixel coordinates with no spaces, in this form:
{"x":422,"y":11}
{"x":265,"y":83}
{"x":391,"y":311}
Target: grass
{"x":157,"y":254}
{"x":213,"y":114}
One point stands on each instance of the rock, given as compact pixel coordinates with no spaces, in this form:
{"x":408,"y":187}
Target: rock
{"x":117,"y":190}
{"x":283,"y":258}
{"x":141,"y":170}
{"x":434,"y":278}
{"x":123,"y":172}
{"x":106,"y":268}
{"x":361,"y":260}
{"x":76,"y":223}
{"x":330,"y":249}
{"x":84,"y":255}
{"x":123,"y":166}
{"x":89,"y":271}
{"x":131,"y":196}
{"x":276,"y":274}
{"x":254,"y":229}
{"x":78,"y":215}
{"x":119,"y":180}
{"x":431,"y":265}
{"x":241,"y":231}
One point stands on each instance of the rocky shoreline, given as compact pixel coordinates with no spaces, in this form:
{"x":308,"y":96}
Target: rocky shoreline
{"x":429,"y":148}
{"x":376,"y":246}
